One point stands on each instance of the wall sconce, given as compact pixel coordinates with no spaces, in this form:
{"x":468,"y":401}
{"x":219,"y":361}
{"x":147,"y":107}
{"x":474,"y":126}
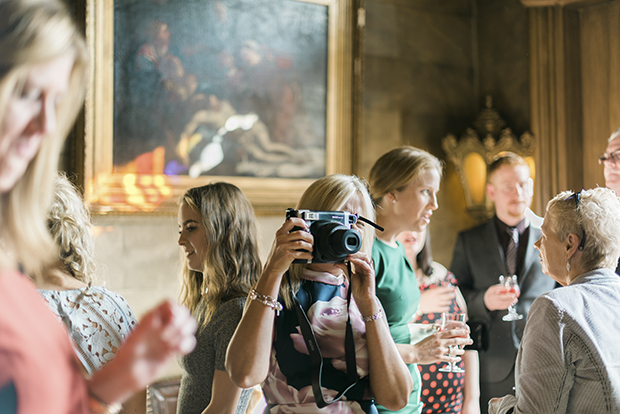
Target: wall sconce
{"x":472,"y":155}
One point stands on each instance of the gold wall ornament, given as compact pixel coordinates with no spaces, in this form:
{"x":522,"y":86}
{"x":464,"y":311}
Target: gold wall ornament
{"x":477,"y":149}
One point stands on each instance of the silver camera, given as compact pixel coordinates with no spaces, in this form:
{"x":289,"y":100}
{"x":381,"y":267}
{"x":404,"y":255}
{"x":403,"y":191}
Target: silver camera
{"x":334,"y":239}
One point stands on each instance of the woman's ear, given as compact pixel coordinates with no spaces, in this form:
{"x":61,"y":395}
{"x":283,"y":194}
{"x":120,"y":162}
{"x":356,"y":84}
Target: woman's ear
{"x":571,"y":245}
{"x":390,"y":197}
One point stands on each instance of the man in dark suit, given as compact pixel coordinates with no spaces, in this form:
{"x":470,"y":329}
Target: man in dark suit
{"x":611,"y":162}
{"x":502,"y":246}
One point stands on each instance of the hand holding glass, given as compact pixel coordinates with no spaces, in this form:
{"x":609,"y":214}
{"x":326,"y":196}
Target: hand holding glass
{"x":446,"y":319}
{"x":512,"y":285}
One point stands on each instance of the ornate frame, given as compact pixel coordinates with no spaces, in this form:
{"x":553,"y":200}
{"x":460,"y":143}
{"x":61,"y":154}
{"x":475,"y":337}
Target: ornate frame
{"x":110,"y":193}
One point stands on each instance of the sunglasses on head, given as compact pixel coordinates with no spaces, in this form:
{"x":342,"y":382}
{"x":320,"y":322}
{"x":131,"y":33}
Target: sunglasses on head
{"x":576,"y":197}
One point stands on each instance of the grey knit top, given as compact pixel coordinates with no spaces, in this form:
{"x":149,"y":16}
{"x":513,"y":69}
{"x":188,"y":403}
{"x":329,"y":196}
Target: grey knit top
{"x":209,"y":355}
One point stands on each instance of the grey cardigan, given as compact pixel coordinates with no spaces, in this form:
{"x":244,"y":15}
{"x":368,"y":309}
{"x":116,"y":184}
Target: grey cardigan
{"x":569,"y":360}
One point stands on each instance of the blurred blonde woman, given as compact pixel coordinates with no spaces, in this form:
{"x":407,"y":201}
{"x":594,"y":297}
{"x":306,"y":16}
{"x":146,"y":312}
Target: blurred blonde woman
{"x":217,"y":233}
{"x":43,"y":73}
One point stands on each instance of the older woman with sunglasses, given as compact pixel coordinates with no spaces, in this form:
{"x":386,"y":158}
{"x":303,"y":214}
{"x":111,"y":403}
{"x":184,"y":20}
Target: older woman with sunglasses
{"x":569,"y":360}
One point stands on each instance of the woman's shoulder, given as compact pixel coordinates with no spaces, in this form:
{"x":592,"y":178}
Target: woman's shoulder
{"x":109,"y":298}
{"x":230,"y":309}
{"x":440,"y":270}
{"x":225,"y":320}
{"x":88,"y":293}
{"x":440,"y":273}
{"x":381,"y":248}
{"x":94,"y":301}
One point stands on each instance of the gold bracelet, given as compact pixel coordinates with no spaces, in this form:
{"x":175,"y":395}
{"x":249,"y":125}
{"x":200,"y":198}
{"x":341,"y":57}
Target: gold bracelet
{"x":267,"y":301}
{"x":374,"y":317}
{"x":97,"y":406}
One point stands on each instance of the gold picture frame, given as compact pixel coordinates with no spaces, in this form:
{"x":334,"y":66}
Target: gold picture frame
{"x":113,"y":191}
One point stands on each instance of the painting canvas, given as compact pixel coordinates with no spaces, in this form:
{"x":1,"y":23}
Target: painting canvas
{"x":231,"y":87}
{"x":248,"y":91}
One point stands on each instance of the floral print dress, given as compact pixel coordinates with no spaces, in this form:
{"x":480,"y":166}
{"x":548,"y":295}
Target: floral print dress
{"x":288,"y":386}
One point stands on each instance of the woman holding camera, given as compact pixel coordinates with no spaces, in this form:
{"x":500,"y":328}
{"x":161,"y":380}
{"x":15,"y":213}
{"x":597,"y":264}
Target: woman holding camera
{"x":269,"y":347}
{"x":217,"y":233}
{"x":404,"y":185}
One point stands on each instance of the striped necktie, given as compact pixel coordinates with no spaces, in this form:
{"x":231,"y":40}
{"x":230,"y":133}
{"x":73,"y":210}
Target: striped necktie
{"x":511,"y":251}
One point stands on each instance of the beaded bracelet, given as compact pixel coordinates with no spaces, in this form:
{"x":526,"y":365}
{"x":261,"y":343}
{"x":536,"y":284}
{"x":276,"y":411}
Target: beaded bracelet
{"x":267,"y":301}
{"x":374,"y":317}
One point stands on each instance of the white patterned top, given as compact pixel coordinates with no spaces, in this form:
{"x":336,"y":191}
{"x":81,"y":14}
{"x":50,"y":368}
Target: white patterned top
{"x":98,"y":321}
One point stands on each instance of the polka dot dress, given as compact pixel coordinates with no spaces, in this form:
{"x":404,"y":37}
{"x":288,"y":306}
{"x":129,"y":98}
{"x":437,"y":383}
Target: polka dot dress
{"x":442,"y":392}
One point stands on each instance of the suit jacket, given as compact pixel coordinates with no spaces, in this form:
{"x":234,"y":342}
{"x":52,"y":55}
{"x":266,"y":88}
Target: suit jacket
{"x":477,"y":263}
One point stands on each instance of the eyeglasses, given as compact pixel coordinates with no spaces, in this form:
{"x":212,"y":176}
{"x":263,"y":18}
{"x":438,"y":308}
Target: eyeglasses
{"x":613,"y":158}
{"x":576,"y":197}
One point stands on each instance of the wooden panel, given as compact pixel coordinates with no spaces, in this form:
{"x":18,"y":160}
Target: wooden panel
{"x":575,"y":92}
{"x":613,"y":17}
{"x":548,"y":117}
{"x":600,"y":48}
{"x":573,"y":150}
{"x":549,"y":3}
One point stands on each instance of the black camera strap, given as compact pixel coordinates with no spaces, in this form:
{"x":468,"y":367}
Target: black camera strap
{"x":372,"y":223}
{"x":315,"y":353}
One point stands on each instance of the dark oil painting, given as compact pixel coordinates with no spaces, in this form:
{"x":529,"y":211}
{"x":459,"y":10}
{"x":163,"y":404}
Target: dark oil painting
{"x":224,"y":88}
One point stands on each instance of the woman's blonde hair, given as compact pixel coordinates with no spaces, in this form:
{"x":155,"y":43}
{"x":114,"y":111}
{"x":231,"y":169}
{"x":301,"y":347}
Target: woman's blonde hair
{"x":331,"y":193}
{"x":595,"y":215}
{"x":395,"y":169}
{"x":232,"y":264}
{"x":69,"y":224}
{"x":34,"y":32}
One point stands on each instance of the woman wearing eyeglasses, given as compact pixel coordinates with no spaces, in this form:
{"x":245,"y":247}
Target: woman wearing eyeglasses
{"x":611,"y":161}
{"x":569,"y":359}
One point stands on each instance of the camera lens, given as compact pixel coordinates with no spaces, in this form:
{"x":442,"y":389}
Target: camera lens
{"x":334,"y":242}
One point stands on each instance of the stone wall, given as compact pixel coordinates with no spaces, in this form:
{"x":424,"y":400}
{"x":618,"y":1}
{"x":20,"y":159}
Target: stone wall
{"x":138,"y":257}
{"x":428,"y":67}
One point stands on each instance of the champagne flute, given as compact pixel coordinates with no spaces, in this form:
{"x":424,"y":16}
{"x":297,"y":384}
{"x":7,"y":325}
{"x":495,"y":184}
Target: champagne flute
{"x":512,"y":285}
{"x":446,"y":319}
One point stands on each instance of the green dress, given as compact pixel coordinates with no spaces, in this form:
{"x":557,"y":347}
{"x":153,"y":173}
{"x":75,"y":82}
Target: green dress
{"x":397,"y":289}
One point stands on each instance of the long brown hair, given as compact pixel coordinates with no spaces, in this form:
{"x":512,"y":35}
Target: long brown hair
{"x":232,"y":264}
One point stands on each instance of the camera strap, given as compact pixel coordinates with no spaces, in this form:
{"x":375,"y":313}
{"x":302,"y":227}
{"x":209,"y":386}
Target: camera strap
{"x":372,"y":223}
{"x":315,"y":353}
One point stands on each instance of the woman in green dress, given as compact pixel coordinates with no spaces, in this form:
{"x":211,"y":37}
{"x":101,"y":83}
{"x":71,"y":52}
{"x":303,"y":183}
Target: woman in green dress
{"x":404,"y":184}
